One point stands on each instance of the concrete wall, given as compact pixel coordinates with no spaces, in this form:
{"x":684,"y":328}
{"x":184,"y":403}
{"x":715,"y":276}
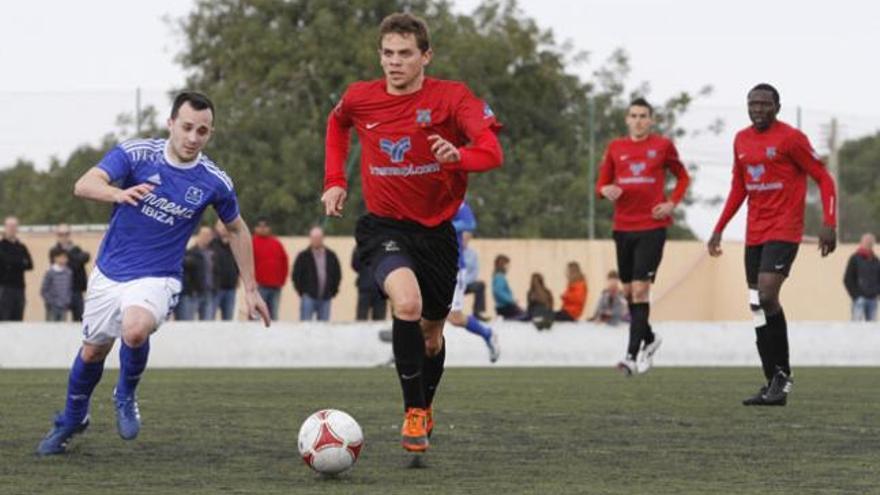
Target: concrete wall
{"x":296,"y":345}
{"x":690,"y":285}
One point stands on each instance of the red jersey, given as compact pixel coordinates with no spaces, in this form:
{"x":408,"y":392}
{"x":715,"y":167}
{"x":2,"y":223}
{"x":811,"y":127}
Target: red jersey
{"x":771,"y":168}
{"x":401,"y":177}
{"x":270,"y":261}
{"x":639,"y":169}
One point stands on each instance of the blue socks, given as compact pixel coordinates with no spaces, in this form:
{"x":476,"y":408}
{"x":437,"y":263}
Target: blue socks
{"x":475,"y":326}
{"x":83,"y":379}
{"x":132,"y":362}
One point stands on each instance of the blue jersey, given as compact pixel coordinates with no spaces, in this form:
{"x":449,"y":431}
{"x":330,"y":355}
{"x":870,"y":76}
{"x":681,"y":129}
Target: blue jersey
{"x":149,"y":240}
{"x":463,"y":221}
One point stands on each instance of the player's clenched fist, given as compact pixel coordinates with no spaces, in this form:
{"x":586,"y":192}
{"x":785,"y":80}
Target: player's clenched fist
{"x":443,"y":150}
{"x":334,"y":200}
{"x":611,"y":192}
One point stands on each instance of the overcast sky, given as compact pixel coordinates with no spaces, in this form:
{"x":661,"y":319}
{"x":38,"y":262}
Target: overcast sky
{"x":69,"y":68}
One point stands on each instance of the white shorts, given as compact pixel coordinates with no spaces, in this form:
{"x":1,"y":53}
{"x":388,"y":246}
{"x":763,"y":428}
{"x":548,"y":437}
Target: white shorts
{"x":106,"y":299}
{"x":458,"y":295}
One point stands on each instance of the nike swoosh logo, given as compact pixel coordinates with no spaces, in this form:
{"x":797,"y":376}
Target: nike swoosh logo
{"x":779,"y":267}
{"x":741,"y":156}
{"x":410,"y":377}
{"x":372,"y":125}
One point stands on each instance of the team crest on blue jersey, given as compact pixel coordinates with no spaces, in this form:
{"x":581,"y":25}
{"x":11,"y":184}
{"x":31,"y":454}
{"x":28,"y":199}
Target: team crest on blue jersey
{"x":423,"y":117}
{"x":637,"y":168}
{"x":194,"y":195}
{"x":756,"y":171}
{"x":652,"y":153}
{"x":771,"y":151}
{"x":395,"y":149}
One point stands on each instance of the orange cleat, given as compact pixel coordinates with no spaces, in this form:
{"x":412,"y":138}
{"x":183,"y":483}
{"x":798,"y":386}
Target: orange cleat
{"x":429,"y":421}
{"x":414,"y":432}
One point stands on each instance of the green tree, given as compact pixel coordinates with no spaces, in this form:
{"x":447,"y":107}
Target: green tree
{"x":275,"y":69}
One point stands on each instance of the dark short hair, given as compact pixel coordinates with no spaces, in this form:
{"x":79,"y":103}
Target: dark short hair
{"x":262,"y":220}
{"x":196,"y":100}
{"x":500,"y":261}
{"x":767,"y":87}
{"x":56,"y":252}
{"x":641,"y":102}
{"x":613,"y":274}
{"x":405,"y":23}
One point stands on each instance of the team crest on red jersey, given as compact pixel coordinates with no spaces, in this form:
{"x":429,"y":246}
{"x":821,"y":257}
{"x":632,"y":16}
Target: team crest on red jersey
{"x":771,"y":151}
{"x":652,"y":153}
{"x":423,"y":117}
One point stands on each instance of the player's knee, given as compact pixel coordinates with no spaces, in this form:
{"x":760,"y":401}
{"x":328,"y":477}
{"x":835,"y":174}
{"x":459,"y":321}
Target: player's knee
{"x":408,"y":307}
{"x":433,"y":344}
{"x":769,"y":301}
{"x":94,"y":354}
{"x":640,"y":293}
{"x":135,"y":334}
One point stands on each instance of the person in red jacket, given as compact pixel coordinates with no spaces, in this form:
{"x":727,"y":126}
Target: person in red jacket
{"x":771,"y":163}
{"x":271,"y":265}
{"x":420,"y":138}
{"x":633,"y":176}
{"x":575,"y":296}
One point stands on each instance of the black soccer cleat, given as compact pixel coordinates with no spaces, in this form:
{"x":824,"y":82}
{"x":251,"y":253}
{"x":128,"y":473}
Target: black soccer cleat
{"x":780,"y":386}
{"x":757,"y":399}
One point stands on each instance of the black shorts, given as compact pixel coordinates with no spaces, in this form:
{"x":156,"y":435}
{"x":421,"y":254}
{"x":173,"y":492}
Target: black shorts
{"x":639,"y":254}
{"x":770,"y":257}
{"x":385,"y":244}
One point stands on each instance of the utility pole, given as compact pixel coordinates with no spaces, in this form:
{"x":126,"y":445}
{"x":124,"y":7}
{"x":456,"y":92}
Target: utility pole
{"x":591,"y":175}
{"x":834,"y":164}
{"x":137,"y":112}
{"x":799,"y":120}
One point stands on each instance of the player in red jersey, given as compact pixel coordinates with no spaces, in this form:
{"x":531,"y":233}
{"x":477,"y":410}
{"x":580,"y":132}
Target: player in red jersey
{"x":420,"y":137}
{"x":633,"y":176}
{"x":770,"y":168}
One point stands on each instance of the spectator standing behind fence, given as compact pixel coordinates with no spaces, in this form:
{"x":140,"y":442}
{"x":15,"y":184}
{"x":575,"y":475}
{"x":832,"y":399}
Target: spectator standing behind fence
{"x":271,"y":264}
{"x":505,"y":304}
{"x":197,"y":293}
{"x":76,"y":261}
{"x":611,"y":307}
{"x":370,"y":302}
{"x":225,"y":273}
{"x":316,"y":277}
{"x":471,"y":277}
{"x":14,"y":261}
{"x":862,"y":280}
{"x":57,"y":287}
{"x":575,"y":296}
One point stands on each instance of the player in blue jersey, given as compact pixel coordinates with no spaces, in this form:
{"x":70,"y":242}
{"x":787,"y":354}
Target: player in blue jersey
{"x":465,"y":221}
{"x":159,"y":188}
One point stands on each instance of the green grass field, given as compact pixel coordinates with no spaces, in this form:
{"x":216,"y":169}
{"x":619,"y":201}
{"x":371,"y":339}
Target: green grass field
{"x":676,"y":431}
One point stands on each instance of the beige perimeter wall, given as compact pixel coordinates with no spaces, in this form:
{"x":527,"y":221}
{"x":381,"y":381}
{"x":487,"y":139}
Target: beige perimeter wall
{"x":690,"y":285}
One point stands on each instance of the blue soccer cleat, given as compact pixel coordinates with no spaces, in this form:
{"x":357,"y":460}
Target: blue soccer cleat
{"x":128,"y":418}
{"x":55,"y":442}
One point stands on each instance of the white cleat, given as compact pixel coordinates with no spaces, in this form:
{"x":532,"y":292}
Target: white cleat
{"x":627,"y":367}
{"x":646,"y":357}
{"x":494,"y":347}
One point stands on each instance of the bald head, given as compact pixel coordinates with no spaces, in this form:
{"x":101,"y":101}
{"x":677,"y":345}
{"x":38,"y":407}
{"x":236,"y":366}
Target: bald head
{"x":316,"y":238}
{"x":10,"y":227}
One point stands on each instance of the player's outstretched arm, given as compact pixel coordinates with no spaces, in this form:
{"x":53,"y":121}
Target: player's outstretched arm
{"x":95,"y":184}
{"x":243,"y":251}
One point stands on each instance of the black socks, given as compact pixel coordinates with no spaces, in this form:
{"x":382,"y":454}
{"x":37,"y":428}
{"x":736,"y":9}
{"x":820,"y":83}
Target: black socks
{"x":639,"y":329}
{"x":433,"y":370}
{"x":408,"y":345}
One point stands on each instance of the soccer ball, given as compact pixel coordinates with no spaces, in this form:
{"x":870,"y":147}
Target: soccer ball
{"x":330,"y":441}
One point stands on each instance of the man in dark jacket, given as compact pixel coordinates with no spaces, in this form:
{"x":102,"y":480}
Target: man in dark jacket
{"x":225,"y":273}
{"x":14,"y":261}
{"x":316,"y":277}
{"x":862,"y":280}
{"x":197,"y":290}
{"x":371,"y":304}
{"x":76,"y":261}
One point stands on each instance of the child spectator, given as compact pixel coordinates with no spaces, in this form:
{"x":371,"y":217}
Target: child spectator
{"x":505,"y":304}
{"x":612,"y":307}
{"x":57,"y":288}
{"x":575,"y":296}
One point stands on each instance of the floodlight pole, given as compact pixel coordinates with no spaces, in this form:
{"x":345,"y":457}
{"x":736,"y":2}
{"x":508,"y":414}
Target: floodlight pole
{"x":591,"y":174}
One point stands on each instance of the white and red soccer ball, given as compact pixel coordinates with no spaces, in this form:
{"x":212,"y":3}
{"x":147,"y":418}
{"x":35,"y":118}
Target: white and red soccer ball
{"x":330,"y":441}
